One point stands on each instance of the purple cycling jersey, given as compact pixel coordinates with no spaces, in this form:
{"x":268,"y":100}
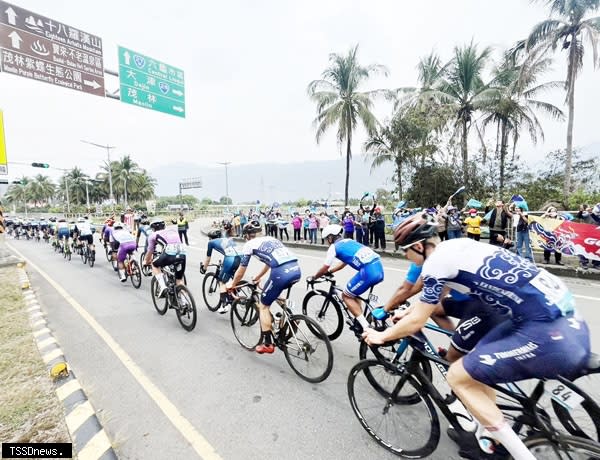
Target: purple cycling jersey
{"x":163,"y":238}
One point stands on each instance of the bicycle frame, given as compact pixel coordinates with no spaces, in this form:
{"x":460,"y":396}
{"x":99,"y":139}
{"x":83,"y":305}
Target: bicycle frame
{"x":333,"y":293}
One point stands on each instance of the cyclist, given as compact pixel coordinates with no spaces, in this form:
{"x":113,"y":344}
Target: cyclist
{"x":361,"y":258}
{"x":62,"y":231}
{"x":107,"y":230}
{"x":169,"y":251}
{"x":84,"y":229}
{"x":122,"y":241}
{"x":231,"y":262}
{"x":285,"y":271}
{"x":143,"y":229}
{"x":544,"y":338}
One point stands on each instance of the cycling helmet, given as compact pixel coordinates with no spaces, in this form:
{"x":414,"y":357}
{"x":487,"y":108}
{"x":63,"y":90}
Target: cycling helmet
{"x":157,"y":224}
{"x":118,"y":225}
{"x":252,"y":227}
{"x":414,"y":230}
{"x":332,"y":230}
{"x":214,"y":234}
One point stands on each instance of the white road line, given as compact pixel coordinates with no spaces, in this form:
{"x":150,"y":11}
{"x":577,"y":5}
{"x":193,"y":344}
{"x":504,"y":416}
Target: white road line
{"x":198,"y":442}
{"x":586,"y":297}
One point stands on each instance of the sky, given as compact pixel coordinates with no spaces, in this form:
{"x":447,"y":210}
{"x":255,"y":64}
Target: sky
{"x":247,"y":65}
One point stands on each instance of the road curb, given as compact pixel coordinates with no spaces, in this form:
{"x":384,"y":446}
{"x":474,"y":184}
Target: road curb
{"x":90,"y":441}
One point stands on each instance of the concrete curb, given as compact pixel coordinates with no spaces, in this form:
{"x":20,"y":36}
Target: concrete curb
{"x":90,"y":441}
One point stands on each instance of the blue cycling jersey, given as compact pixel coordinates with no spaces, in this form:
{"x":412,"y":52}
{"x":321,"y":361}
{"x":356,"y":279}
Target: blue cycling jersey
{"x":414,"y":272}
{"x":225,"y":246}
{"x":498,"y":278}
{"x":267,"y":249}
{"x":351,"y":253}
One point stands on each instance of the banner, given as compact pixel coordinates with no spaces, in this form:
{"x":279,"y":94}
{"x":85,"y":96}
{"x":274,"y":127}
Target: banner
{"x":564,"y":236}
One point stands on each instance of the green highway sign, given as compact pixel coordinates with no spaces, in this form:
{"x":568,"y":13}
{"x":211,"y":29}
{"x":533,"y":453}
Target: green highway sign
{"x":152,"y":84}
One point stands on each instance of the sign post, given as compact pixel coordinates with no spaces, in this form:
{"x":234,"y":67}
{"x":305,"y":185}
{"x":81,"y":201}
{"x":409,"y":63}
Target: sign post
{"x":34,"y":46}
{"x":151,"y":84}
{"x":3,"y":159}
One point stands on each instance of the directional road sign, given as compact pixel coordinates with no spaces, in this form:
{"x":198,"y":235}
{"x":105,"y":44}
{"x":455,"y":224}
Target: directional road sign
{"x":3,"y":160}
{"x":36,"y":47}
{"x":152,"y":84}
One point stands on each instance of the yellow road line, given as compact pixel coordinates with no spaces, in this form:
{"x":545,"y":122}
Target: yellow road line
{"x":198,"y":442}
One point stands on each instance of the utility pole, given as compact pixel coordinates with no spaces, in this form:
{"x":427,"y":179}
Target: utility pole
{"x":226,"y":163}
{"x":110,"y":182}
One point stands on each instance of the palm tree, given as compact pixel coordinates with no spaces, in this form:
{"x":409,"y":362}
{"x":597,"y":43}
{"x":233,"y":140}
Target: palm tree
{"x":341,"y":104}
{"x":142,"y":186}
{"x":75,"y":179}
{"x":126,"y":169}
{"x":19,"y":192}
{"x":568,"y":31}
{"x":41,"y":189}
{"x":462,"y":89}
{"x":515,"y":108}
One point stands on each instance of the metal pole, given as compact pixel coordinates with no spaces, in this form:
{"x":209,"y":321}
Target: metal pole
{"x":110,"y":184}
{"x":226,"y":163}
{"x":87,"y":196}
{"x":67,"y":187}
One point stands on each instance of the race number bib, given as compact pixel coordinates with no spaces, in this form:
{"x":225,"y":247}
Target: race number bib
{"x":365,"y":255}
{"x":282,"y":255}
{"x":230,"y":251}
{"x":555,"y":292}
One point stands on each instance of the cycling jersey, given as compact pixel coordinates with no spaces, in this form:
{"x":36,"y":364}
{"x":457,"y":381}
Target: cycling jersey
{"x":83,"y":228}
{"x":363,"y":259}
{"x":351,"y":253}
{"x":165,"y":241}
{"x":224,"y":246}
{"x":62,"y":229}
{"x":122,"y":236}
{"x":498,"y":278}
{"x":414,"y":272}
{"x":268,"y":250}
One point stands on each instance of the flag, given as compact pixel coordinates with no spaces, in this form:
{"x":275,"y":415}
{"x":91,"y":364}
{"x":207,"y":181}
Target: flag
{"x":473,"y":203}
{"x":517,"y":198}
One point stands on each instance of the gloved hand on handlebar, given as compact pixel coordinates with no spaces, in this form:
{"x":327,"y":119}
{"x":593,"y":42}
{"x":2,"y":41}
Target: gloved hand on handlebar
{"x":310,"y":279}
{"x":380,"y":314}
{"x":202,"y":268}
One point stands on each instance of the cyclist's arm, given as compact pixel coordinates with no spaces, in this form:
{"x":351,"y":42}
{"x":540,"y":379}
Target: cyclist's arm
{"x":413,"y":322}
{"x":264,"y":270}
{"x":239,"y":274}
{"x":337,"y":268}
{"x":403,"y":293}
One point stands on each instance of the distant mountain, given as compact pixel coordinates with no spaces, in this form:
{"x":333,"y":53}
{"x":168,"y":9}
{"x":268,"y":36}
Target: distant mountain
{"x":276,"y":182}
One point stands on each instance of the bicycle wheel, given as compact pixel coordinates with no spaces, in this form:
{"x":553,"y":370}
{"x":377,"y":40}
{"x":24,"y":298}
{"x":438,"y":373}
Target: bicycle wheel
{"x":114,"y":264}
{"x":326,"y":311}
{"x":570,"y":447}
{"x":186,"y":308}
{"x":92,"y":258}
{"x":307,"y":348}
{"x":146,"y":269}
{"x":84,"y":256}
{"x":108,"y":253}
{"x":245,"y":322}
{"x":210,"y":292}
{"x":136,"y":274}
{"x":161,"y":305}
{"x":411,"y":431}
{"x":583,"y":420}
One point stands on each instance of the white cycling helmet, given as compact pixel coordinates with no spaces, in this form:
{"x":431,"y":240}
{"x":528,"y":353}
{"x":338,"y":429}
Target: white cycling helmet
{"x":332,"y":230}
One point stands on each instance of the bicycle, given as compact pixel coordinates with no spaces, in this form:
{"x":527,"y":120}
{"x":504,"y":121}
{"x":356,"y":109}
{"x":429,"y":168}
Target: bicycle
{"x":403,"y":387}
{"x":582,"y":420}
{"x":132,"y":271}
{"x":66,"y":248}
{"x":178,"y":297}
{"x":210,"y":287}
{"x":327,"y":307}
{"x":303,"y":342}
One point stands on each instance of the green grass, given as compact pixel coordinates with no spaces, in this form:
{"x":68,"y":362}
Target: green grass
{"x":29,"y":408}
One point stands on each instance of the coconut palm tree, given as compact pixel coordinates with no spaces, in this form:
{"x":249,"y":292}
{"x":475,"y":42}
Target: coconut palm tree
{"x":341,"y":104}
{"x":462,"y":90}
{"x":515,"y":109}
{"x":142,"y":186}
{"x":75,"y":179}
{"x":569,"y":31}
{"x":19,"y":192}
{"x":126,"y":169}
{"x":41,"y":188}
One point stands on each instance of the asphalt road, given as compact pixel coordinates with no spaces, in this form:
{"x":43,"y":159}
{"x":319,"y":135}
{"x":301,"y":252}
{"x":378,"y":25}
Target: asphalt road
{"x":161,"y":392}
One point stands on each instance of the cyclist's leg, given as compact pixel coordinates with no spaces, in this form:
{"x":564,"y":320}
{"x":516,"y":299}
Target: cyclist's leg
{"x":180,"y":261}
{"x":517,"y":351}
{"x":280,"y":278}
{"x":121,"y":256}
{"x":367,"y":276}
{"x":230,"y":265}
{"x":161,"y":261}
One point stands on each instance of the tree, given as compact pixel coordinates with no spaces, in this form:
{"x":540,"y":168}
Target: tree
{"x":568,"y":31}
{"x":75,"y":179}
{"x":142,"y":186}
{"x":126,"y":171}
{"x":341,"y":104}
{"x":462,"y":90}
{"x":18,"y":192}
{"x":40,"y":189}
{"x":514,"y":110}
{"x":225,"y":200}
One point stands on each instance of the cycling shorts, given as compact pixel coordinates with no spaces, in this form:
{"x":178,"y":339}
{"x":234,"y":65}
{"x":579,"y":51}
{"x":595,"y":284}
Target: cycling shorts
{"x":177,"y":260}
{"x":124,"y":249}
{"x":63,"y":233}
{"x":369,"y":275}
{"x":87,"y":238}
{"x":514,"y":351}
{"x":281,"y":278}
{"x":476,"y":320}
{"x":230,"y":265}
